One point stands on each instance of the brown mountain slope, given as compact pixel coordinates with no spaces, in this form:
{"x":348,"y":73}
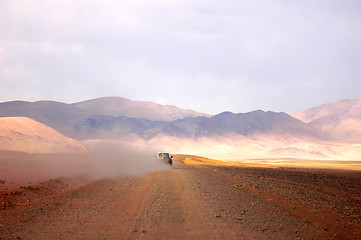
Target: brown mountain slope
{"x":341,"y":119}
{"x":344,"y":108}
{"x":27,"y":135}
{"x":117,"y":106}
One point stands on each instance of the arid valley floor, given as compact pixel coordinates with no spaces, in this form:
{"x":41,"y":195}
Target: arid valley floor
{"x":195,"y":199}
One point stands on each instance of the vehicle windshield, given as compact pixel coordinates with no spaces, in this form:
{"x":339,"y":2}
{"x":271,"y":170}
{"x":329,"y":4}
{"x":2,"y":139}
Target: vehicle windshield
{"x":163,"y":155}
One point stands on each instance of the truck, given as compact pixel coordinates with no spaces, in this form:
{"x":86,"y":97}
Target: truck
{"x":165,"y":157}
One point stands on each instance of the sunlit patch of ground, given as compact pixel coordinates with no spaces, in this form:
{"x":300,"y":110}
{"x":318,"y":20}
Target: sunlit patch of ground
{"x":195,"y":160}
{"x":274,"y":163}
{"x":307,"y":163}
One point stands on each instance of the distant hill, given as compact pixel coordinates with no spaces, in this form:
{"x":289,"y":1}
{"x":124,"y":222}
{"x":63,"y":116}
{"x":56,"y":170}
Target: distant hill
{"x":117,"y":106}
{"x":101,"y":126}
{"x":245,"y":124}
{"x":340,"y":119}
{"x":27,"y":135}
{"x":114,"y":117}
{"x":64,"y":117}
{"x":257,"y":122}
{"x":329,"y":131}
{"x":223,"y":124}
{"x":57,"y":115}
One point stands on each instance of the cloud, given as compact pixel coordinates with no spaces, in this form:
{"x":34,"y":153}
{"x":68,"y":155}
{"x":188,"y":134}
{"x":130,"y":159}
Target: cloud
{"x":202,"y":55}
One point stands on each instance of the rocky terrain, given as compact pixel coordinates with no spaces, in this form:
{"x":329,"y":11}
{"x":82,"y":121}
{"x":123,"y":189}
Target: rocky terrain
{"x":189,"y":201}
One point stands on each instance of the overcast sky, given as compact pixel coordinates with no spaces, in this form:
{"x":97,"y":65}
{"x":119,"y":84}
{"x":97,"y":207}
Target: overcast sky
{"x":205,"y":55}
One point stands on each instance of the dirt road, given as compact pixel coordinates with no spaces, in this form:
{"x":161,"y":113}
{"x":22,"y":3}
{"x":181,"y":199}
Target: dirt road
{"x":189,"y":202}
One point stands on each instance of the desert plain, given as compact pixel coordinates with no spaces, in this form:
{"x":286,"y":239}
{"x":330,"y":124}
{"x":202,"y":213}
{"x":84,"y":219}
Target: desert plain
{"x":195,"y":198}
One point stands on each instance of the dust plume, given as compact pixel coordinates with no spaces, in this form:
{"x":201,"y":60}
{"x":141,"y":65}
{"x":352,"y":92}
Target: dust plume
{"x":105,"y":159}
{"x":114,"y":159}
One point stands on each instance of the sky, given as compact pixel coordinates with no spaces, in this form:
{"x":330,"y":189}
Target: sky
{"x":206,"y":55}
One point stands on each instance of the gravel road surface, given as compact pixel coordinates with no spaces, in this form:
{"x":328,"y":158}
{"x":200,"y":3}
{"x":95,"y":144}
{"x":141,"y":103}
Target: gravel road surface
{"x":189,"y":202}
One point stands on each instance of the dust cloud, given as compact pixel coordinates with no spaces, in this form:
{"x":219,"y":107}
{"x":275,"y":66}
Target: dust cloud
{"x":105,"y":159}
{"x":114,"y":159}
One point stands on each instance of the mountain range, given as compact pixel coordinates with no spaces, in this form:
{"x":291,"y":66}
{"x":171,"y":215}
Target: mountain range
{"x":148,"y":122}
{"x":246,"y":124}
{"x":117,"y":106}
{"x":115,"y":117}
{"x":65,"y":118}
